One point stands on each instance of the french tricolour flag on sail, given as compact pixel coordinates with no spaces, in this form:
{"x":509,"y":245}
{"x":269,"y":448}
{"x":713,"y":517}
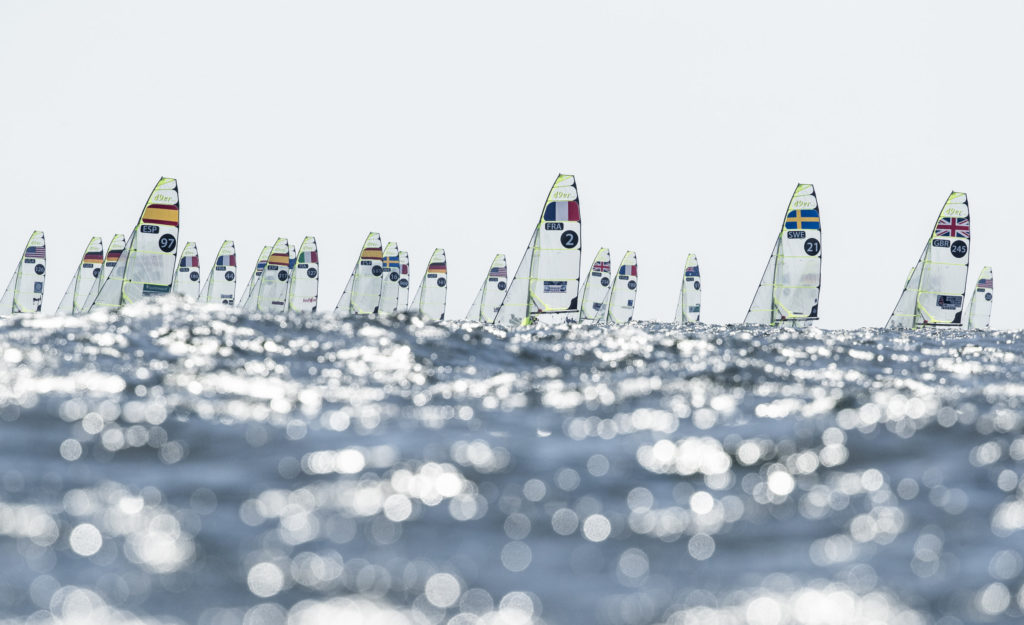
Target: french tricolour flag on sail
{"x":562,"y":211}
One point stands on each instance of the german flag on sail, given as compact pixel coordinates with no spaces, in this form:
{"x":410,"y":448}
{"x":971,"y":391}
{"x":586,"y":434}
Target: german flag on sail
{"x":113,"y":255}
{"x":562,"y":211}
{"x":163,"y":214}
{"x":279,"y":259}
{"x":437,"y":268}
{"x":92,"y":257}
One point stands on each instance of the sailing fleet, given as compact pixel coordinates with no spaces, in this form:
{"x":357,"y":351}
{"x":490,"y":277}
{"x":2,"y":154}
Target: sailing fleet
{"x":545,"y":288}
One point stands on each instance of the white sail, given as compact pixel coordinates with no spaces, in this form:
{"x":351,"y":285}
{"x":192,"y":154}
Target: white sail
{"x":147,"y":265}
{"x":622,"y":298}
{"x":688,"y":304}
{"x":791,"y":284}
{"x":934,"y":293}
{"x":248,"y":301}
{"x":432,"y":297}
{"x":546,"y":284}
{"x":404,"y":282}
{"x":981,"y":302}
{"x":362,"y":292}
{"x":87,"y":274}
{"x":110,"y":260}
{"x":902,"y":316}
{"x":186,"y":278}
{"x":273,"y":285}
{"x":24,"y":294}
{"x":392,"y":266}
{"x":597,"y":287}
{"x":940,"y":297}
{"x":305,"y":286}
{"x":221,"y":283}
{"x":492,"y":292}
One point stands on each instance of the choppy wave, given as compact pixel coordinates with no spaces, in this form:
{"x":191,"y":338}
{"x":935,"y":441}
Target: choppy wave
{"x":189,"y":464}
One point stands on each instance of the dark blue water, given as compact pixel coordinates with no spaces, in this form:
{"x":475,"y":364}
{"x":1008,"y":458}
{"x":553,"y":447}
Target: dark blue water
{"x":194,"y":465}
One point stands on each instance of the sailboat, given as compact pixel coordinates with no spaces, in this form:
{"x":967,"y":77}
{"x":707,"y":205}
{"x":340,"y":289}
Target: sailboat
{"x":392,"y":266}
{"x":24,"y":293}
{"x":492,"y":291}
{"x":432,"y":297}
{"x":789,"y":289}
{"x":272,"y":288}
{"x":981,"y":302}
{"x":933,"y":295}
{"x":597,"y":287}
{"x":248,"y":301}
{"x":688,"y":304}
{"x":186,"y":279}
{"x":546,"y":285}
{"x":622,"y":299}
{"x":220,"y":284}
{"x":362,"y":292}
{"x":88,"y":273}
{"x":147,"y":266}
{"x":114,"y":251}
{"x":305,"y":278}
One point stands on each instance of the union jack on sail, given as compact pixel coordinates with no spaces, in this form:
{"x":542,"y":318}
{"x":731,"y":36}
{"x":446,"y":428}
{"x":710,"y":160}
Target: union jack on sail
{"x":959,"y":227}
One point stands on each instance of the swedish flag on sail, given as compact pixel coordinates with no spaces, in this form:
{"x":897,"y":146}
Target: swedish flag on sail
{"x":803,"y":219}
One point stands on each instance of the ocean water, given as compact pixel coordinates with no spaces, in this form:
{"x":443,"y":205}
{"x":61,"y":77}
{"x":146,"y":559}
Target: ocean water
{"x":187,"y":464}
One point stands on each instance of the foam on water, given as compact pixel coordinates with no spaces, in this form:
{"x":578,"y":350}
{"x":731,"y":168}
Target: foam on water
{"x":187,"y":464}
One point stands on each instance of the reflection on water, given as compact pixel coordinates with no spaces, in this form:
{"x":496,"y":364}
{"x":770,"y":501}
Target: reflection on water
{"x":196,"y":465}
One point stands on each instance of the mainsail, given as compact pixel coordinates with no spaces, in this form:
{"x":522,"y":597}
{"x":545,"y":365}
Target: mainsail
{"x":392,"y":266}
{"x":248,"y":301}
{"x":432,"y":297}
{"x":362,"y":292}
{"x":305,"y":277}
{"x":24,"y":294}
{"x":597,"y":287}
{"x":186,"y":279}
{"x":147,"y":266}
{"x":789,"y":289}
{"x":492,"y":291}
{"x":622,"y":298}
{"x":934,"y":293}
{"x":114,"y":251}
{"x":220,"y":284}
{"x":272,"y":289}
{"x":688,"y":305}
{"x":981,"y":302}
{"x":546,"y":285}
{"x":87,"y":274}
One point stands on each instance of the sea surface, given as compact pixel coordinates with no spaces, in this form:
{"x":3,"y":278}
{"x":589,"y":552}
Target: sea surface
{"x":189,"y":464}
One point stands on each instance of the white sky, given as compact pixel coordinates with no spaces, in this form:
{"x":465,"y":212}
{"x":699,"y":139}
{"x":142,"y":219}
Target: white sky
{"x":444,"y":124}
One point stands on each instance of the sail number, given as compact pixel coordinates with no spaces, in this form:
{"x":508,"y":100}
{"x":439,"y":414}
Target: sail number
{"x":570,"y":239}
{"x":812,"y":247}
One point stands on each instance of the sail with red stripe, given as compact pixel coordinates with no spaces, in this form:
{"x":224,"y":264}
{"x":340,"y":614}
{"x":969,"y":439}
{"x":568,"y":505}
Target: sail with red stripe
{"x":688,"y":304}
{"x":305,"y":285}
{"x":933,"y":296}
{"x":597,"y":286}
{"x":361,"y":295}
{"x":274,"y":283}
{"x":147,"y":266}
{"x":622,"y":299}
{"x":87,"y":274}
{"x":546,"y":284}
{"x":24,"y":293}
{"x":221,"y":282}
{"x":492,"y":292}
{"x":432,"y":297}
{"x":981,"y":302}
{"x":186,"y":278}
